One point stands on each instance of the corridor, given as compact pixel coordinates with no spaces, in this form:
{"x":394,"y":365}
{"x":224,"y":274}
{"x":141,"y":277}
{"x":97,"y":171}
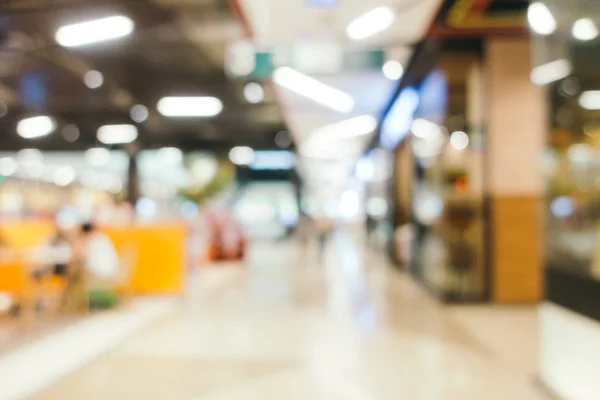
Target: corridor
{"x":283,"y":327}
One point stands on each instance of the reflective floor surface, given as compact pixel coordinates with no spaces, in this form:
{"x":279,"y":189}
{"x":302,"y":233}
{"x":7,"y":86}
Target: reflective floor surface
{"x":286,"y":327}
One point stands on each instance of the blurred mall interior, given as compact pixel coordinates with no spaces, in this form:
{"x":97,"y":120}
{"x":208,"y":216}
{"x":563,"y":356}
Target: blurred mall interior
{"x":300,"y":199}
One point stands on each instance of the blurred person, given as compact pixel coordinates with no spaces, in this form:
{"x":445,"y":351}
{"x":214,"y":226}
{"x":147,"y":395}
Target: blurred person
{"x":324,"y":227}
{"x":93,"y":271}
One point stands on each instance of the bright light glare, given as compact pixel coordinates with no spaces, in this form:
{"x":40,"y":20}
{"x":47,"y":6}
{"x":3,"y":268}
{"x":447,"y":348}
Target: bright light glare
{"x":371,"y":23}
{"x":93,"y":79}
{"x":139,"y":113}
{"x":352,"y":127}
{"x":427,"y":130}
{"x":365,"y":169}
{"x":393,"y":70}
{"x":551,"y":72}
{"x":590,"y":100}
{"x":349,"y":204}
{"x":459,"y":140}
{"x":585,"y":29}
{"x":117,"y":134}
{"x":377,"y":207}
{"x":313,"y":89}
{"x":94,"y":31}
{"x":8,"y":166}
{"x":170,"y":155}
{"x":190,"y":106}
{"x":254,"y":93}
{"x":64,"y":176}
{"x":241,"y":155}
{"x":35,"y":127}
{"x":541,"y":19}
{"x":562,"y":207}
{"x":97,"y":157}
{"x":146,"y":207}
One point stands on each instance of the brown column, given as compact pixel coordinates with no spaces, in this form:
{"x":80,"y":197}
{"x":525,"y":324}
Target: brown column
{"x":516,"y":135}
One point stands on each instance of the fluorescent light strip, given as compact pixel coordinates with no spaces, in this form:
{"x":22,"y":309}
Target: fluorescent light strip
{"x":117,"y":134}
{"x":35,"y":127}
{"x":313,"y":89}
{"x":371,"y":23}
{"x":551,"y":72}
{"x":541,"y":19}
{"x":94,"y":31}
{"x":191,"y":106}
{"x":349,"y":128}
{"x":590,"y":100}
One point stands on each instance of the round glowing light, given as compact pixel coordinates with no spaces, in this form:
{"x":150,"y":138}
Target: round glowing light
{"x":585,"y":29}
{"x":241,"y":155}
{"x":254,"y":93}
{"x":8,"y":166}
{"x":64,"y":176}
{"x":97,"y":157}
{"x":377,"y":207}
{"x":541,"y":19}
{"x":170,"y":155}
{"x":283,"y":140}
{"x":93,"y":79}
{"x":139,"y":113}
{"x":393,"y":70}
{"x":459,"y":140}
{"x":70,"y":133}
{"x":562,"y":207}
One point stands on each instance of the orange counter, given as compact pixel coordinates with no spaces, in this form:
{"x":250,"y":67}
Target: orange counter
{"x":159,"y":252}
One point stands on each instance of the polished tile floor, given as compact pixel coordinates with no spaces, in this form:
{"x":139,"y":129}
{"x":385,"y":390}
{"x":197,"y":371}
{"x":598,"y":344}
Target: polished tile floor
{"x":285,"y":327}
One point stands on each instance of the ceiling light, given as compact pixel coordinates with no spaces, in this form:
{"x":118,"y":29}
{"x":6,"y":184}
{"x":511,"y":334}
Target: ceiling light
{"x":97,"y":157}
{"x":352,"y":127}
{"x":459,"y":140}
{"x":541,"y":19}
{"x":70,"y":133}
{"x":170,"y":155}
{"x":190,"y":106}
{"x":590,"y":100}
{"x":117,"y":134}
{"x":94,"y":31}
{"x":313,"y":89}
{"x":585,"y":29}
{"x":393,"y":70}
{"x":35,"y":127}
{"x":8,"y":166}
{"x":371,"y":23}
{"x":551,"y":72}
{"x":241,"y":155}
{"x":93,"y":79}
{"x":139,"y":113}
{"x":254,"y":93}
{"x":64,"y":176}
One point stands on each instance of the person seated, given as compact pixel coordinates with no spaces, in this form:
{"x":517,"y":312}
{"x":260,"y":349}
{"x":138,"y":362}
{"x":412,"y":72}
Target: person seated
{"x":92,"y":272}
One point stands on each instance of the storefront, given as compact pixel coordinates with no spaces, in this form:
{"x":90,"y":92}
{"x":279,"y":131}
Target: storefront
{"x":567,"y":61}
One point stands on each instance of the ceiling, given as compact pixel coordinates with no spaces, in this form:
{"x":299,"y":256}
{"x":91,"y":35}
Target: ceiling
{"x":177,"y":48}
{"x":275,"y":23}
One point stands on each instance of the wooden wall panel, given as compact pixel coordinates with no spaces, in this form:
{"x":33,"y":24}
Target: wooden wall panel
{"x":517,"y":249}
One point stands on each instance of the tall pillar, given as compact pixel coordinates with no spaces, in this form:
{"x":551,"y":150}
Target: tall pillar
{"x":516,"y":135}
{"x":133,"y":185}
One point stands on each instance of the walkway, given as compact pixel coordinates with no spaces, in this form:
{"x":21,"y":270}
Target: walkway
{"x":285,"y":328}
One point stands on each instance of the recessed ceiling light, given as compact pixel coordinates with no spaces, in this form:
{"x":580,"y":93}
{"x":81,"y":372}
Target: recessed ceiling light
{"x":241,"y":155}
{"x":94,"y":31}
{"x":313,"y":89}
{"x":139,"y":113}
{"x":190,"y":106}
{"x":254,"y":93}
{"x":541,"y":19}
{"x":371,"y":23}
{"x":70,"y":133}
{"x":35,"y":127}
{"x":93,"y":79}
{"x":459,"y":140}
{"x":590,"y":100}
{"x":117,"y":134}
{"x":393,"y":70}
{"x":551,"y":72}
{"x":585,"y":29}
